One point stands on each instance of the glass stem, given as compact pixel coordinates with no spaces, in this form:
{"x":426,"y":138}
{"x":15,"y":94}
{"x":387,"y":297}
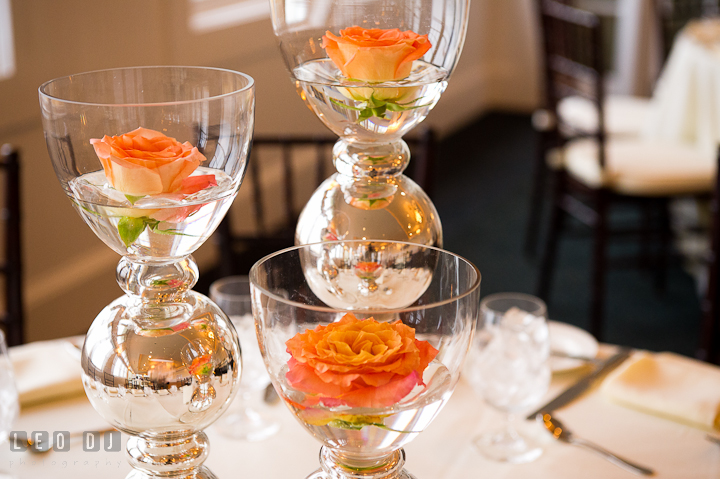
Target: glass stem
{"x":510,"y":427}
{"x":174,"y":456}
{"x":158,"y":289}
{"x":340,"y":465}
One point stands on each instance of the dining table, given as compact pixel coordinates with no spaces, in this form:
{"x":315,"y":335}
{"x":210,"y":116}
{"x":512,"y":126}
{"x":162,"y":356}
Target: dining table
{"x":444,"y":450}
{"x":685,"y":107}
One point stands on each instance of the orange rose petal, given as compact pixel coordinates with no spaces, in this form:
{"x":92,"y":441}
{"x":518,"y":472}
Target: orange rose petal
{"x":172,"y":174}
{"x":377,"y":379}
{"x":175,"y":215}
{"x":421,"y":46}
{"x":427,"y":353}
{"x":303,"y":378}
{"x":102,"y":149}
{"x":193,"y":184}
{"x":382,"y":396}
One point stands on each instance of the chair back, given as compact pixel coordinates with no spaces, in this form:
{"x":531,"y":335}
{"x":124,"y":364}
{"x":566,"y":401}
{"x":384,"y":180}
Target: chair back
{"x":573,"y":58}
{"x":11,"y":265}
{"x":282,"y":174}
{"x":709,"y":343}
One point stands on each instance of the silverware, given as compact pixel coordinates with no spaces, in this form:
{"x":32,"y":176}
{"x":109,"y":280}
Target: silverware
{"x":712,"y":438}
{"x":583,"y":384}
{"x":271,"y":396}
{"x":564,"y":355}
{"x":561,"y":433}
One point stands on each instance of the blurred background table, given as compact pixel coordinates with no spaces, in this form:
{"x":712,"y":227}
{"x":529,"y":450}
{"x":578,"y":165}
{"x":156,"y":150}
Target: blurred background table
{"x":686,"y":104}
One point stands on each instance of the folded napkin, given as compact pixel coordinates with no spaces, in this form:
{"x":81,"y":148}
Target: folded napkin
{"x":46,"y":370}
{"x":668,"y":385}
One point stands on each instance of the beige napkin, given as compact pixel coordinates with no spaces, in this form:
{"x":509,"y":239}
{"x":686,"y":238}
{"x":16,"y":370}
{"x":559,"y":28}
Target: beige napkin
{"x":46,"y":370}
{"x":668,"y":385}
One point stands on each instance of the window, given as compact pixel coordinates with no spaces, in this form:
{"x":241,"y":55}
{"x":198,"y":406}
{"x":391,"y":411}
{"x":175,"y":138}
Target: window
{"x":7,"y":44}
{"x":210,"y":15}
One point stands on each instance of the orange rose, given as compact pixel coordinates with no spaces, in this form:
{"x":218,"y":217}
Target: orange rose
{"x":146,"y":162}
{"x":375,"y":54}
{"x":358,"y":363}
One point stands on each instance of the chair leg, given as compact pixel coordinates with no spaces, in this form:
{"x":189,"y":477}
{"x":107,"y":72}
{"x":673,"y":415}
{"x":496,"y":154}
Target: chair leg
{"x":665,"y":238}
{"x":600,"y":234}
{"x":646,"y":235}
{"x":557,"y":220}
{"x":537,"y":195}
{"x":225,"y":246}
{"x":708,"y":344}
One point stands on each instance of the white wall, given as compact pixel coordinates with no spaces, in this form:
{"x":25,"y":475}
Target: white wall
{"x":69,"y":272}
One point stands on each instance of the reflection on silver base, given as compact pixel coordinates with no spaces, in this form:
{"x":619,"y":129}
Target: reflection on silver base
{"x":172,"y":456}
{"x":203,"y":473}
{"x":332,"y":469}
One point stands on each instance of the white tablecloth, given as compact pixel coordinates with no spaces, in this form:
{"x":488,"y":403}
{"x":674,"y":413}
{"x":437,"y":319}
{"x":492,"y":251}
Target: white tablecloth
{"x":443,"y":451}
{"x":686,"y":104}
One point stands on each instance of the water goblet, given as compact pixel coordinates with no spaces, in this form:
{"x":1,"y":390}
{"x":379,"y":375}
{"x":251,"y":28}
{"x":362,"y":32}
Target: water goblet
{"x":247,"y":417}
{"x":510,"y":369}
{"x":364,"y":379}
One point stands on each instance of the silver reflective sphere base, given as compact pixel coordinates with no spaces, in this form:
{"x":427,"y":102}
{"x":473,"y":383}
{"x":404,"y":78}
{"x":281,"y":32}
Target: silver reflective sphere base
{"x":161,"y":364}
{"x":390,"y":208}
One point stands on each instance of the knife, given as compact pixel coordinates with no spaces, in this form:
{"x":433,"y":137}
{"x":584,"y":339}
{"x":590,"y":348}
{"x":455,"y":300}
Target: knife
{"x":584,"y":383}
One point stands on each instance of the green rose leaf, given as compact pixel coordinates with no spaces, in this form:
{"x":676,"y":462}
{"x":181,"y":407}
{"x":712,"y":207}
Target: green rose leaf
{"x":380,"y":111}
{"x":343,"y":105}
{"x":364,"y":115}
{"x":130,"y":229}
{"x":132,"y":199}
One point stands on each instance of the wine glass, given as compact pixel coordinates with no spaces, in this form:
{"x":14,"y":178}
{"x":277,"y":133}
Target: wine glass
{"x":510,"y":369}
{"x":364,"y":379}
{"x":152,"y":158}
{"x":247,"y":417}
{"x":371,"y":72}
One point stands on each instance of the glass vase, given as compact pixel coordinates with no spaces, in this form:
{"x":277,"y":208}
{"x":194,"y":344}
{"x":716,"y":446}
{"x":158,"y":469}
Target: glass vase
{"x":361,"y":378}
{"x":371,"y":71}
{"x":151,"y":158}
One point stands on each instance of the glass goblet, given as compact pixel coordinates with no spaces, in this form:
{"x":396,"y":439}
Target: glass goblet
{"x":247,"y":417}
{"x":363,"y":379}
{"x":511,"y":369}
{"x":371,"y":72}
{"x":152,"y":158}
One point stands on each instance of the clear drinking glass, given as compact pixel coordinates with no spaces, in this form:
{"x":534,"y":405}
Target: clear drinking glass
{"x":364,"y":386}
{"x":510,"y":369}
{"x":9,"y":404}
{"x":247,"y":417}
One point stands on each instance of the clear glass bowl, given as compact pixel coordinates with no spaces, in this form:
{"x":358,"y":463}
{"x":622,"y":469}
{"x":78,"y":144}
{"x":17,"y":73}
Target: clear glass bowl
{"x":364,"y":393}
{"x":152,"y":158}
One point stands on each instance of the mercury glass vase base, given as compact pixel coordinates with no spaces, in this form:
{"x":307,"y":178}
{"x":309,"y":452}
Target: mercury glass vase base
{"x":169,"y":456}
{"x":202,"y":473}
{"x":340,"y":466}
{"x":161,"y":363}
